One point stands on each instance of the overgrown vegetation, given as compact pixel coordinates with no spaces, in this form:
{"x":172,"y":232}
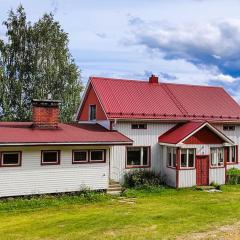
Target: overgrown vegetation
{"x":233,"y":176}
{"x":142,"y":179}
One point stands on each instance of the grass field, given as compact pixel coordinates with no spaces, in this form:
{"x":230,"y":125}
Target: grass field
{"x":162,"y":214}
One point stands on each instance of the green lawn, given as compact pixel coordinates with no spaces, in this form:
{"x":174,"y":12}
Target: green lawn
{"x":155,"y":215}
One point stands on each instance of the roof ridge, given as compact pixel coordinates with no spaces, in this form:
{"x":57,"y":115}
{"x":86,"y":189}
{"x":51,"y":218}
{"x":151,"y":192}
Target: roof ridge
{"x":174,"y":99}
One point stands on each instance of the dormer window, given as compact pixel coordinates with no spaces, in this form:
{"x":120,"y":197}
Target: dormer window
{"x":92,"y":112}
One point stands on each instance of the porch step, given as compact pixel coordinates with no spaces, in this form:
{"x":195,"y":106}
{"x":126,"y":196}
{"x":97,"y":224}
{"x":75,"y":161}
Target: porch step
{"x":204,"y":188}
{"x":114,"y":188}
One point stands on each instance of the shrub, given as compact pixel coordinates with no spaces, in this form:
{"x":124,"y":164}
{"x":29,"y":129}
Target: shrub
{"x":233,"y":176}
{"x":142,"y":179}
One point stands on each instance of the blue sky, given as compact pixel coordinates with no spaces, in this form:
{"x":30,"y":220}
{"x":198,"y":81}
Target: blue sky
{"x":183,"y":41}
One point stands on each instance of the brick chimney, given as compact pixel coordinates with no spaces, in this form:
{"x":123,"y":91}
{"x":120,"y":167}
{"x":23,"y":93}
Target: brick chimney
{"x":45,"y":114}
{"x":153,"y":79}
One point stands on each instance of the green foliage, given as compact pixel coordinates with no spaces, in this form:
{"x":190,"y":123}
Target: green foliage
{"x":233,"y":176}
{"x":166,"y":214}
{"x":142,"y":179}
{"x":35,"y":61}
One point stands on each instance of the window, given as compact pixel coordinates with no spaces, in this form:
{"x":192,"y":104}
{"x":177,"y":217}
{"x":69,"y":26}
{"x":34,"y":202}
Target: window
{"x":187,"y":158}
{"x":97,"y":156}
{"x":92,"y":112}
{"x":10,"y":159}
{"x":217,"y":157}
{"x":232,"y":155}
{"x":138,"y":157}
{"x":50,"y":157}
{"x":139,"y":126}
{"x":80,"y":156}
{"x":228,"y":127}
{"x":171,"y":157}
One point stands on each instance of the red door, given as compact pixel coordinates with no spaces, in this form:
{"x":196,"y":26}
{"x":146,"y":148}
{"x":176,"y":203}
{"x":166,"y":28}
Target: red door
{"x":202,"y":170}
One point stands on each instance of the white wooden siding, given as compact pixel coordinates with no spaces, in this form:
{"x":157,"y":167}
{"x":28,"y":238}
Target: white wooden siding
{"x":217,"y":175}
{"x":141,"y":137}
{"x":169,"y":174}
{"x":32,"y":178}
{"x":234,"y":136}
{"x":187,"y":178}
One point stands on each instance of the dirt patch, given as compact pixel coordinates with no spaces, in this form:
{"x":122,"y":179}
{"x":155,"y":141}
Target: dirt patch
{"x":229,"y":232}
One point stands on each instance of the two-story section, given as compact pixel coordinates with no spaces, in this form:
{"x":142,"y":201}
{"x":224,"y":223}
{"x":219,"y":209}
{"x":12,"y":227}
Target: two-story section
{"x":187,"y":133}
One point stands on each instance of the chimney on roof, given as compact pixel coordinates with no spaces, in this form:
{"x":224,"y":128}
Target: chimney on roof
{"x":153,"y":79}
{"x":45,"y":113}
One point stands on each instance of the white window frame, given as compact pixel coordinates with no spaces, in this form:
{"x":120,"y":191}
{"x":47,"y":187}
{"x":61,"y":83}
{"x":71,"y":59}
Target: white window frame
{"x":230,"y":155}
{"x":216,"y":152}
{"x":187,"y":153}
{"x":171,"y":150}
{"x":141,"y":157}
{"x":89,"y":115}
{"x":18,"y":164}
{"x":96,"y":161}
{"x":79,"y":162}
{"x":50,"y":163}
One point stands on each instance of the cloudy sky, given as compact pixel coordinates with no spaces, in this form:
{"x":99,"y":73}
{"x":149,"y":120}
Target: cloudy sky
{"x":183,"y":41}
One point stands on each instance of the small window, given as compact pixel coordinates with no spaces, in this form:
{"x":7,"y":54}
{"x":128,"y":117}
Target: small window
{"x":10,"y":159}
{"x":97,"y":156}
{"x":232,"y":155}
{"x":80,"y":156}
{"x":228,"y":127}
{"x":171,"y":157}
{"x":50,"y":157}
{"x":187,"y":158}
{"x":138,"y":157}
{"x":217,"y":157}
{"x":139,"y":126}
{"x":92,"y":112}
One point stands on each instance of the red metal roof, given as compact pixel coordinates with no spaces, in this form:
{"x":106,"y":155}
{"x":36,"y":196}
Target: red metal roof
{"x":183,"y":131}
{"x":143,"y":100}
{"x":179,"y":132}
{"x":23,"y":133}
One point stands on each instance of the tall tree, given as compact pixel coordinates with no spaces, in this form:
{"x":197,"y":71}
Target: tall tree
{"x":36,"y":62}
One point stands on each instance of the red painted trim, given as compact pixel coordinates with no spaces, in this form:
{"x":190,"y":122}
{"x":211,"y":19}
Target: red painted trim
{"x":237,"y":154}
{"x":12,"y":165}
{"x":54,"y":163}
{"x":177,"y":166}
{"x":208,"y":166}
{"x":91,"y":98}
{"x":88,"y":156}
{"x":136,"y":166}
{"x":204,"y":136}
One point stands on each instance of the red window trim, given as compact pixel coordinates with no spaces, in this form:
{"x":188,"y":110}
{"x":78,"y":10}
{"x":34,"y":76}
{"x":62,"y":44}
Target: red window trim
{"x":51,"y":163}
{"x":138,"y":166}
{"x":232,"y":163}
{"x":80,"y":162}
{"x":11,"y":165}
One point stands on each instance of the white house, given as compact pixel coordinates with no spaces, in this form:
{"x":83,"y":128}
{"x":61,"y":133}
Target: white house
{"x":189,"y":134}
{"x":45,"y":156}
